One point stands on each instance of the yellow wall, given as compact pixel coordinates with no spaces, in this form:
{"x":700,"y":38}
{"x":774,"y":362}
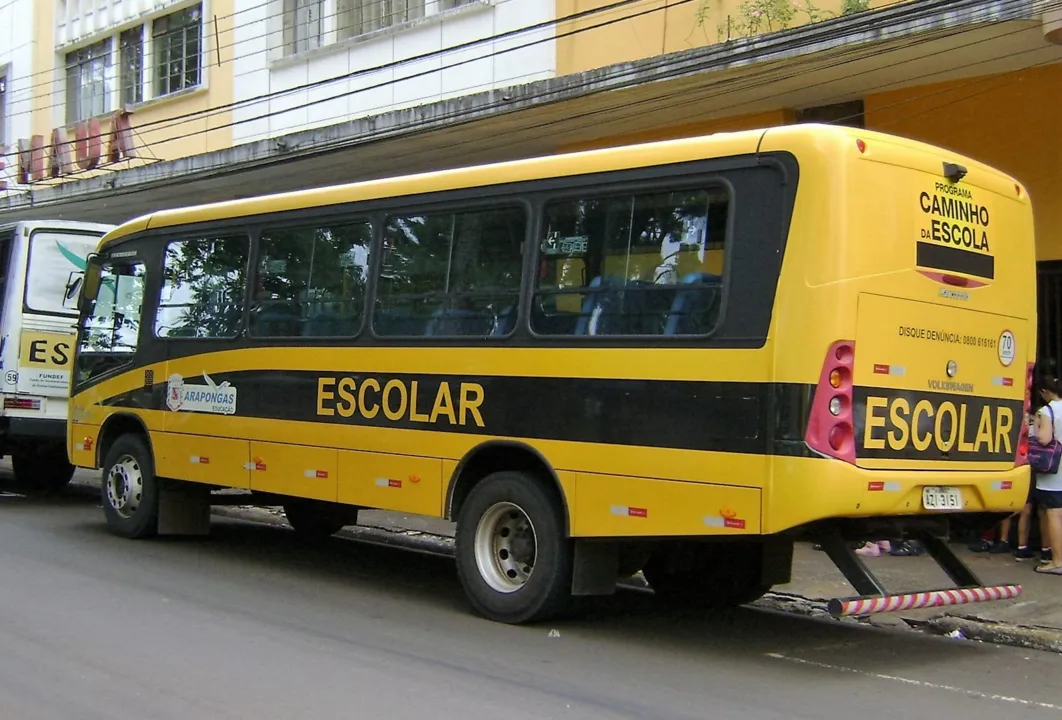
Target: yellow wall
{"x":654,"y":27}
{"x":672,"y":132}
{"x":43,"y":59}
{"x":165,"y":141}
{"x":190,"y":137}
{"x":1009,"y":121}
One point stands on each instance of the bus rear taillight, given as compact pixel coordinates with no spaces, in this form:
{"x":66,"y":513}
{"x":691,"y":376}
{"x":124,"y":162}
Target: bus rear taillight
{"x":830,"y":426}
{"x":1022,"y":455}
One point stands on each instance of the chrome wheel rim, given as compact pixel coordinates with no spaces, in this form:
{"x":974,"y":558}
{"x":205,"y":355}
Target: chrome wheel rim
{"x":125,"y":486}
{"x":505,"y":547}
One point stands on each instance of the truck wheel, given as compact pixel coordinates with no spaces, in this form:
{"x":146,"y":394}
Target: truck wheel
{"x":315,"y":520}
{"x":47,"y":472}
{"x":514,"y":560}
{"x":130,"y":489}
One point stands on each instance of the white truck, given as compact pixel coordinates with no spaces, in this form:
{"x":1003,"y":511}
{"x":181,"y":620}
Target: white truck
{"x":42,"y":265}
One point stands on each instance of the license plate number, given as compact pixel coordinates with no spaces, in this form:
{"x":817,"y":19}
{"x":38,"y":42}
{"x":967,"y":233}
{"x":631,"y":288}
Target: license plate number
{"x":942,"y":498}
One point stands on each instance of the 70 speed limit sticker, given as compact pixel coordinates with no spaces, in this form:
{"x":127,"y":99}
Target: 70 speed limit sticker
{"x":1006,"y":348}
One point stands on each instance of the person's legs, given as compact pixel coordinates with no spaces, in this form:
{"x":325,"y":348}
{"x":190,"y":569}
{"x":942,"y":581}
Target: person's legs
{"x":1051,"y":528}
{"x":1054,"y":523}
{"x":1024,"y":522}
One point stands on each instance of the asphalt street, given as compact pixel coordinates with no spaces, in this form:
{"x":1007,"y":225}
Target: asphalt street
{"x":252,"y":623}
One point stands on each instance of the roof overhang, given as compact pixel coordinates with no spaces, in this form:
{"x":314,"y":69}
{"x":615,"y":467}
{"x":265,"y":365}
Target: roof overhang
{"x":922,"y":43}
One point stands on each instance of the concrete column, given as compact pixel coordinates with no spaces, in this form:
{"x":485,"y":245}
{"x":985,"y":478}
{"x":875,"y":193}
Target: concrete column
{"x":1052,"y":21}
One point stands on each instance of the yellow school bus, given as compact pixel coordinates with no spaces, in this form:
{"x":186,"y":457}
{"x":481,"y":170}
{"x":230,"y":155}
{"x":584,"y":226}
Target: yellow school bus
{"x":677,"y":358}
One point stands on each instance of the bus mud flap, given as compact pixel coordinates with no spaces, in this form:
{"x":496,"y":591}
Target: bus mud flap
{"x":184,"y":509}
{"x":873,"y":598}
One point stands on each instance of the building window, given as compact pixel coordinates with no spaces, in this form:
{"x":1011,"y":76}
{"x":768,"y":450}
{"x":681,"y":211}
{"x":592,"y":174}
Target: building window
{"x":178,"y":50}
{"x":445,"y":5}
{"x":87,"y":93}
{"x":131,"y":72}
{"x":358,"y":17}
{"x":302,"y":25}
{"x":3,"y":109}
{"x":203,"y":284}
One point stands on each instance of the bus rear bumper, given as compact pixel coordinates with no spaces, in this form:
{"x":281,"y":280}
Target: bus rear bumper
{"x":808,"y":491}
{"x":874,"y":598}
{"x":25,"y":428}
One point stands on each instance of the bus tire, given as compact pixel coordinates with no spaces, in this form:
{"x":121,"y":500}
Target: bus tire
{"x":316,"y":520}
{"x":513,"y":557}
{"x":129,"y":489}
{"x":709,"y":580}
{"x":48,"y":472}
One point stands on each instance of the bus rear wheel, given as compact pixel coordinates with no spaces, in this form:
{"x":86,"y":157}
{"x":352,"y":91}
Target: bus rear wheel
{"x":48,"y":472}
{"x":315,"y":520}
{"x":130,"y":490}
{"x":514,"y":559}
{"x":706,"y":576}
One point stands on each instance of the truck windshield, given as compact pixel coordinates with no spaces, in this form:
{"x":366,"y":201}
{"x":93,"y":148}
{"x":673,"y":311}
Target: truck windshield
{"x":55,"y":270}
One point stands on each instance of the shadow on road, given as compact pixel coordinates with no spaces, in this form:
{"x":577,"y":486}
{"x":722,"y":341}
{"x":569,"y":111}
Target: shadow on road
{"x":330,"y":571}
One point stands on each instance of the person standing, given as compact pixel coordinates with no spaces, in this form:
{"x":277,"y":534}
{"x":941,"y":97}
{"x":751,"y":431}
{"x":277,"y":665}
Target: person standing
{"x":1048,"y":493}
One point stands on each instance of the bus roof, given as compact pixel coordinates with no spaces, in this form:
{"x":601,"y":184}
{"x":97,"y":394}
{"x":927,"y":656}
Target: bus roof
{"x":716,"y":145}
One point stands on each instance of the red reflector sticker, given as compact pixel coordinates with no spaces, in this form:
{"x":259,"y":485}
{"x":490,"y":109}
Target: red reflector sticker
{"x":394,"y":483}
{"x":876,"y":485}
{"x":321,"y":474}
{"x":880,"y":369}
{"x":1008,"y":382}
{"x":734,"y":523}
{"x":638,"y":512}
{"x":1006,"y":485}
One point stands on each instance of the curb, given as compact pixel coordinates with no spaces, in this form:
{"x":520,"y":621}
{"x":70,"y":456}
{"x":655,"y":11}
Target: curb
{"x":1028,"y":637}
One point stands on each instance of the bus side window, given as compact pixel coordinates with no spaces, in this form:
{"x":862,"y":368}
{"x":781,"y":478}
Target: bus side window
{"x":203,"y":285}
{"x":653,"y":264}
{"x":6,"y":243}
{"x":311,"y":281}
{"x":451,"y":274}
{"x":111,"y":327}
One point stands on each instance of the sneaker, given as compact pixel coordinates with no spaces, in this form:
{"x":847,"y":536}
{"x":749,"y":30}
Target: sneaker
{"x":869,"y":550}
{"x":906,"y":549}
{"x":980,"y":546}
{"x":1024,"y":553}
{"x":999,"y":547}
{"x":1045,"y":555}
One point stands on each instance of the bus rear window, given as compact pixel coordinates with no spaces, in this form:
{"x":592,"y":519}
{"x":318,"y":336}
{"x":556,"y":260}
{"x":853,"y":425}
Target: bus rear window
{"x":632,"y":264}
{"x":54,"y":271}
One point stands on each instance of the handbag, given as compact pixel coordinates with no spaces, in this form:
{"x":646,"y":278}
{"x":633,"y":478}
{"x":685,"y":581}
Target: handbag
{"x":1045,"y":458}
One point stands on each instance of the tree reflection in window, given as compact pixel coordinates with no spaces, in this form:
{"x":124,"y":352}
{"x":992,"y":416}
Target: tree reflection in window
{"x":644,"y":264}
{"x":111,"y":326}
{"x":311,"y":281}
{"x":203,"y":287}
{"x":451,"y":274}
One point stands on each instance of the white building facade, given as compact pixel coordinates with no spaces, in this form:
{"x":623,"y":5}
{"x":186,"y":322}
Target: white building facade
{"x":17,"y":79}
{"x":300,"y":64}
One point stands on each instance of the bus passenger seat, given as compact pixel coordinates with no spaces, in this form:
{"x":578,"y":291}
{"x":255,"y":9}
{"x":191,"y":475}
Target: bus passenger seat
{"x":692,"y":304}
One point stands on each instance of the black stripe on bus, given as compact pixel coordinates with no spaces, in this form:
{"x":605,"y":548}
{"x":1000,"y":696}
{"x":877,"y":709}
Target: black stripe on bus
{"x":740,"y":417}
{"x":949,"y":259}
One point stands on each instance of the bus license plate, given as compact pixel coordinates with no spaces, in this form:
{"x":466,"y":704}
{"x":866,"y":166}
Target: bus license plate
{"x":942,"y":498}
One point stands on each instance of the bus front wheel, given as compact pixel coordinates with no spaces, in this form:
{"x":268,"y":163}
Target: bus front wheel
{"x":130,"y":489}
{"x":514,"y":559}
